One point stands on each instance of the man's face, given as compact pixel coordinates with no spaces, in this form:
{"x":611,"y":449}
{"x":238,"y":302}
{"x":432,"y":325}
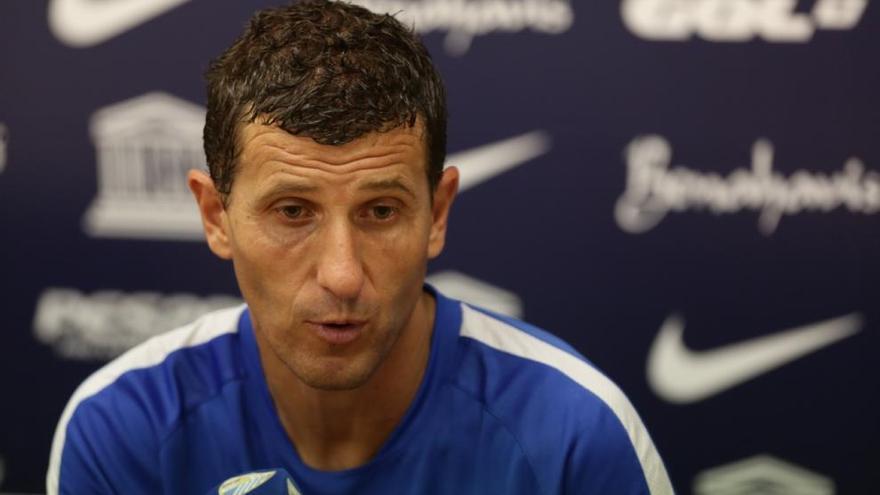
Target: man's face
{"x":330,"y":245}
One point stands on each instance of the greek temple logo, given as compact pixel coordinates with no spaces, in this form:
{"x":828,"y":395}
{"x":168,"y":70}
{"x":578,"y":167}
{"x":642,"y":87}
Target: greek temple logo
{"x":145,"y":147}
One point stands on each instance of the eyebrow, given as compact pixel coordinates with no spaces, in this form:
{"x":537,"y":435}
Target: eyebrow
{"x":387,"y":184}
{"x":288,"y":187}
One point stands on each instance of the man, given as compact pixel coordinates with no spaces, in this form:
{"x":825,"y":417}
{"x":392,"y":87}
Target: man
{"x":325,"y":138}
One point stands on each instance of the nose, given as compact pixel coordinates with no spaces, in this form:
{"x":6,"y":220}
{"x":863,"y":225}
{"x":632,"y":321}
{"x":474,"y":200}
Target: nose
{"x":340,"y":271}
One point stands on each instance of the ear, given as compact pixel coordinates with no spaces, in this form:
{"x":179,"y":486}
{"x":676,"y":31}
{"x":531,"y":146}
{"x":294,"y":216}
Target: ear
{"x":214,"y":218}
{"x":444,"y":195}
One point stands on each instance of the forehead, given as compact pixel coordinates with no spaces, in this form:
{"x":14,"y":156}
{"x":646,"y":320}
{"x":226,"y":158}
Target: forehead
{"x":265,"y":148}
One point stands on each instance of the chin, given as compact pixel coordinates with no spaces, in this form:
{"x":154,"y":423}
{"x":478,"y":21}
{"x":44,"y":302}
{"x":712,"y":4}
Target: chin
{"x":335,"y":385}
{"x":336,"y":376}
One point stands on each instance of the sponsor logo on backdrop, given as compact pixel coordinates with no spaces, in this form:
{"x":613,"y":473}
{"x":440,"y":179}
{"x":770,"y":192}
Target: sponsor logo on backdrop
{"x":85,"y":23}
{"x":762,"y":474}
{"x":683,"y":376}
{"x":775,"y":21}
{"x":4,"y":144}
{"x":654,"y":188}
{"x":104,"y":324}
{"x":463,"y":20}
{"x":145,"y":146}
{"x":483,"y":163}
{"x":471,"y":290}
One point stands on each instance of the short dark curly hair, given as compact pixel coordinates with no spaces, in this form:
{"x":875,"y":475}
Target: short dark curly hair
{"x":327,"y":70}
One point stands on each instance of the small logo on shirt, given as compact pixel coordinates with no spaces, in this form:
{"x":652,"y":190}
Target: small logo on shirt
{"x":292,"y":490}
{"x":245,"y":483}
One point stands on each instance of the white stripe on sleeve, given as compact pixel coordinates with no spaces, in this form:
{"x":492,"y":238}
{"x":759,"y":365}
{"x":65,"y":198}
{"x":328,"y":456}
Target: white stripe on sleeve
{"x":145,"y":355}
{"x":511,"y":340}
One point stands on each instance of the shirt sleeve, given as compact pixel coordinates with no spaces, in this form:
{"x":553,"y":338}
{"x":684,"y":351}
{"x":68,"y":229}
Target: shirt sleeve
{"x":602,"y":458}
{"x":105,"y":446}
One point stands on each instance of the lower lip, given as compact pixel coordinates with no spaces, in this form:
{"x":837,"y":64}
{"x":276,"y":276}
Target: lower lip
{"x":337,"y":335}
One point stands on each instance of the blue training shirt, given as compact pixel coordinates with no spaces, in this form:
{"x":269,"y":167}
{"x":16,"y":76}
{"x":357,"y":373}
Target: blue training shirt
{"x":504,"y":408}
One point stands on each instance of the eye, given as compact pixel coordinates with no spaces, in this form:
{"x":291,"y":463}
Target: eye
{"x":293,"y":212}
{"x":380,"y":213}
{"x":383,"y":212}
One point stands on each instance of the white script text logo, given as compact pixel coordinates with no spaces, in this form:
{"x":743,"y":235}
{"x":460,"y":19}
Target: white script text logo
{"x":463,"y":20}
{"x":653,"y":189}
{"x":779,"y":21}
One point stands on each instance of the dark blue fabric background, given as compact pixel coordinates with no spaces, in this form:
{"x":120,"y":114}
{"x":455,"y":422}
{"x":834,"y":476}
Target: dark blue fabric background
{"x":545,"y":230}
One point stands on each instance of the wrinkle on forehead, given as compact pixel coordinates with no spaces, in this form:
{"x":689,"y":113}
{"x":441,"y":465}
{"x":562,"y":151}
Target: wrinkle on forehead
{"x":264,"y":145}
{"x":287,"y":182}
{"x":379,"y":157}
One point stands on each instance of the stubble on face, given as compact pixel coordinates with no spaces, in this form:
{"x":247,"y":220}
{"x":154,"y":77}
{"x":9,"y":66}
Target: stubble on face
{"x":312,"y":247}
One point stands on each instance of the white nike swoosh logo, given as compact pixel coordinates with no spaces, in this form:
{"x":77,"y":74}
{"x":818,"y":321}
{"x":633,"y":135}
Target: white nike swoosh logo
{"x":480,"y":164}
{"x":84,"y":23}
{"x":682,"y":376}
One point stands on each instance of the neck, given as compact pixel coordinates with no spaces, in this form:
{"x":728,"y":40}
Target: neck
{"x":344,"y":429}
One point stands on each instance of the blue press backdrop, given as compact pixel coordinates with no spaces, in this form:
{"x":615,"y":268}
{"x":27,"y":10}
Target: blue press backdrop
{"x":635,"y":169}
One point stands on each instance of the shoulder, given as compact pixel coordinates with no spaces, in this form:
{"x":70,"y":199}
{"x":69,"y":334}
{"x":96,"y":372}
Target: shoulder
{"x":557,"y":405}
{"x":525,"y":351}
{"x":136,"y":399}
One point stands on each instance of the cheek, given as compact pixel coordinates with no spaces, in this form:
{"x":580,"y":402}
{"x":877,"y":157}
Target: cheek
{"x":273,"y":234}
{"x":401,"y":247}
{"x":396,"y":263}
{"x":269,"y":270}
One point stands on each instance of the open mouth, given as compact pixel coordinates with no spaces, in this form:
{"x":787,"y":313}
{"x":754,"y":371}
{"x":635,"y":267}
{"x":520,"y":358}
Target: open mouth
{"x":340,"y":326}
{"x":337,"y":332}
